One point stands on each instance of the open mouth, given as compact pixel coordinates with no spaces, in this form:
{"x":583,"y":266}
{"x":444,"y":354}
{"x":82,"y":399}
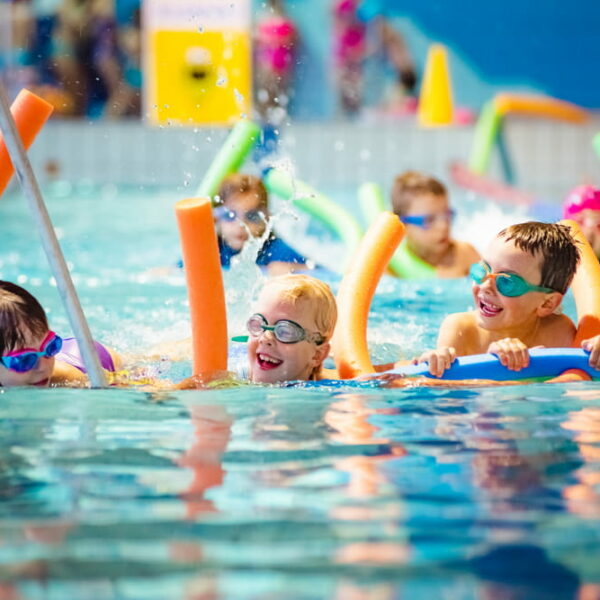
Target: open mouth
{"x":266,"y":362}
{"x":488,"y":309}
{"x":42,"y":383}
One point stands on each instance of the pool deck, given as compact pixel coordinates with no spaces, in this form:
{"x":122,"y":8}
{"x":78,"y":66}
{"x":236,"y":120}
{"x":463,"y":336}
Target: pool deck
{"x":549,"y":157}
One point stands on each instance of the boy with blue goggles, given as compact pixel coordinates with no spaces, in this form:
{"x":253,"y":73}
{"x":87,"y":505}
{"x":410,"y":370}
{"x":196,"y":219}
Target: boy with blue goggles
{"x":517,"y":291}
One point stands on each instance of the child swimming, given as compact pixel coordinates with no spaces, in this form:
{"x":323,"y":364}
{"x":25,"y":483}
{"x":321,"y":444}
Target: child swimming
{"x":291,"y":329}
{"x":243,"y":212}
{"x":583,"y":206}
{"x":517,"y":288}
{"x":421,"y":203}
{"x":32,"y":354}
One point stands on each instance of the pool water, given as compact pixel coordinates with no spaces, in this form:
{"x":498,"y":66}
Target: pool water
{"x":263,"y":493}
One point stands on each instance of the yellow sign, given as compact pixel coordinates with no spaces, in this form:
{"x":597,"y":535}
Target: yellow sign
{"x":198,"y":61}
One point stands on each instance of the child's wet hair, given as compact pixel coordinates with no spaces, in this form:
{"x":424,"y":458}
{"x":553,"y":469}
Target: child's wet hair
{"x":303,"y":287}
{"x":239,"y":183}
{"x":411,"y":184}
{"x":21,"y":316}
{"x":560,"y":254}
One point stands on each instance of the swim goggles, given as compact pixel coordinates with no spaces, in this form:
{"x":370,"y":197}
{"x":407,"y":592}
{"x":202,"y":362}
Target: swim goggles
{"x":285,"y":331}
{"x":26,"y":359}
{"x":507,"y":284}
{"x":428,"y":221}
{"x":250,"y":216}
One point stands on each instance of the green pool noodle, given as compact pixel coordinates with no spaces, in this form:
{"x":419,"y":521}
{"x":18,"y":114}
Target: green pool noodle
{"x":230,"y":157}
{"x":486,"y":133}
{"x":596,"y":144}
{"x":407,"y":265}
{"x":372,"y":201}
{"x":318,"y":206}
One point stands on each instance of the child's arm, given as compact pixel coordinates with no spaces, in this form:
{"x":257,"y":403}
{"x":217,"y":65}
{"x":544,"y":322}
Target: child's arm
{"x":66,"y":374}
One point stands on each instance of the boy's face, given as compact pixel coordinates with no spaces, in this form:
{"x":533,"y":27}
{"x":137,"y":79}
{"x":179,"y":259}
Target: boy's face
{"x":39,"y":375}
{"x":272,"y":361}
{"x":247,"y":221}
{"x":589,"y":221}
{"x":498,"y":312}
{"x":435,"y":238}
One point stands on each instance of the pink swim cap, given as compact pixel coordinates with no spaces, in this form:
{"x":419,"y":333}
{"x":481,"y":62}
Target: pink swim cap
{"x":583,"y":197}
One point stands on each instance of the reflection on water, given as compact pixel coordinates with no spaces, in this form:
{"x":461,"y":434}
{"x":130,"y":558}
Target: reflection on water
{"x":267,"y":493}
{"x":280,"y":493}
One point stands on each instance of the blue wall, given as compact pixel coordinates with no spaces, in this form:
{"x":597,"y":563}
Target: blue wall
{"x":549,"y":46}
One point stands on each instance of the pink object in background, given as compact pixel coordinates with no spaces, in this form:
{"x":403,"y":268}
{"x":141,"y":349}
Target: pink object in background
{"x":583,"y":197}
{"x":275,"y":44}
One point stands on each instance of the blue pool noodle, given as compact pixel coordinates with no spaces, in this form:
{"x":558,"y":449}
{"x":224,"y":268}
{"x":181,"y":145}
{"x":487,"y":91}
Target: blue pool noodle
{"x":544,"y":362}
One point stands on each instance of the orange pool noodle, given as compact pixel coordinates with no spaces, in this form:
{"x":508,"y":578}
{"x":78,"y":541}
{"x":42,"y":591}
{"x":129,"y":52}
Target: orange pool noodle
{"x":30,"y":112}
{"x":539,"y":106}
{"x":356,"y":292}
{"x":586,"y":288}
{"x":586,"y":291}
{"x":205,"y":285}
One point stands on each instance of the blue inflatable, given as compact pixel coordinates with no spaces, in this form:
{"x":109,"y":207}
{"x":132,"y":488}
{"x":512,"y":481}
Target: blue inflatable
{"x":544,"y":363}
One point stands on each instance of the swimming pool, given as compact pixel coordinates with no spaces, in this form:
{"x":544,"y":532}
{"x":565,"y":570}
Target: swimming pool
{"x":278,"y":493}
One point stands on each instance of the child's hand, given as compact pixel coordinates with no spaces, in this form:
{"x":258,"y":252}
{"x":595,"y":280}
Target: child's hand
{"x":512,"y":352}
{"x":439,"y":360}
{"x":592,"y":345}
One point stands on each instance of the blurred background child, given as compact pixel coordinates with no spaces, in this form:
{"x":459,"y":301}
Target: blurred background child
{"x":274,"y":53}
{"x":421,"y":203}
{"x":243,"y":213}
{"x":358,"y":35}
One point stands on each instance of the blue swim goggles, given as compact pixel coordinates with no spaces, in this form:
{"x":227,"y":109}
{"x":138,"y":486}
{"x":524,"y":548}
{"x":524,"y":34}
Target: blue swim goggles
{"x":250,"y":216}
{"x":507,"y":284}
{"x":26,"y":359}
{"x":428,"y":221}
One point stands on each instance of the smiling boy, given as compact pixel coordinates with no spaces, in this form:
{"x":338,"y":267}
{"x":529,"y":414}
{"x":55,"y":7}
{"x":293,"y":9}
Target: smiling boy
{"x":517,"y":289}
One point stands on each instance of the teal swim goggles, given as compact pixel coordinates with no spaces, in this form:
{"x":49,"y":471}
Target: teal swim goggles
{"x":507,"y":284}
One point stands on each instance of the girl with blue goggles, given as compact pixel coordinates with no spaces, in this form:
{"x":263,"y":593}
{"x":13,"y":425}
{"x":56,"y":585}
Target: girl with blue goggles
{"x":26,"y":359}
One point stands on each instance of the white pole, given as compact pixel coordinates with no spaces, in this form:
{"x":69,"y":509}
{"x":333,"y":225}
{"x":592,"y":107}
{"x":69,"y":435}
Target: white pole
{"x":50,"y":243}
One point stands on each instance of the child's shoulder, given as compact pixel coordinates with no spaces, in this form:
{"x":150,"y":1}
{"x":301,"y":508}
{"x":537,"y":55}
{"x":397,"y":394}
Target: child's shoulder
{"x":460,"y":331}
{"x":458,"y":261}
{"x":465,"y":253}
{"x":556,"y":331}
{"x":461,"y":319}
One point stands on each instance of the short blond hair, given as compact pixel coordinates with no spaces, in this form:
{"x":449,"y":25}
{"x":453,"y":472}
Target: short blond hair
{"x":295,"y":287}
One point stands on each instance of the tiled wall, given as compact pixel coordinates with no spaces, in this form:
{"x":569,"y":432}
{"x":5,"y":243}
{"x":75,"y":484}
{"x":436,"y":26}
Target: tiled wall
{"x":548,"y":157}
